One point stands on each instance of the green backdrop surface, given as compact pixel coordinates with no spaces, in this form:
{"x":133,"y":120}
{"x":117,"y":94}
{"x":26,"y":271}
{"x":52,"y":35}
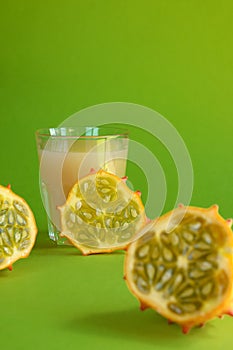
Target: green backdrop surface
{"x":58,"y":57}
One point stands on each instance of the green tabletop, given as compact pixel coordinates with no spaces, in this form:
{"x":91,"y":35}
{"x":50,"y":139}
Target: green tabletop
{"x":57,"y":57}
{"x":59,"y":299}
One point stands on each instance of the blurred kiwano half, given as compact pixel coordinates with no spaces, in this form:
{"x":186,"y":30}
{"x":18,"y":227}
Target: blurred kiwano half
{"x":182,"y":266}
{"x":17,"y":228}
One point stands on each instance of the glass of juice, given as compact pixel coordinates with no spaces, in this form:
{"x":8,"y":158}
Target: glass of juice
{"x":68,"y":154}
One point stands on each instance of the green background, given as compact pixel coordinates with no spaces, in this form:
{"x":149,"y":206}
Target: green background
{"x":57,"y":57}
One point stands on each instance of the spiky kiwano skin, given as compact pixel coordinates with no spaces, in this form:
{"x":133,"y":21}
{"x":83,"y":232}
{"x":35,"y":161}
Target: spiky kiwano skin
{"x":182,"y":266}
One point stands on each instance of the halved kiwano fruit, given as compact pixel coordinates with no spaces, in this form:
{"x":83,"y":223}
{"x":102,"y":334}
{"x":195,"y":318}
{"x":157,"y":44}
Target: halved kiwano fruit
{"x":17,"y":228}
{"x":182,"y":266}
{"x":101,"y":214}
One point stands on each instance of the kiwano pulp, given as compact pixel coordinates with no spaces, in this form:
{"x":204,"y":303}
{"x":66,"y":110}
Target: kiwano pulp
{"x":101,"y":214}
{"x":17,"y":228}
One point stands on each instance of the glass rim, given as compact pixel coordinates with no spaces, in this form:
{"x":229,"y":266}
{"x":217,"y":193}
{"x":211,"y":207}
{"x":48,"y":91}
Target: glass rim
{"x":82,"y":130}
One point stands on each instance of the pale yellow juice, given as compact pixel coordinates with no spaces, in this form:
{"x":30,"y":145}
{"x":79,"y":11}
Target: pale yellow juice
{"x":60,"y":168}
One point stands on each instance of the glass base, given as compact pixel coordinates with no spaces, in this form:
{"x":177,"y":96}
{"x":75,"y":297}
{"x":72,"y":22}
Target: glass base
{"x":54,"y":235}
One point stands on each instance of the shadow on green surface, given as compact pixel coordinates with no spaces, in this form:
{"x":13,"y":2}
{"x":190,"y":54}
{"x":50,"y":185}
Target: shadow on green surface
{"x":44,"y":243}
{"x":147,"y":327}
{"x":5,"y":273}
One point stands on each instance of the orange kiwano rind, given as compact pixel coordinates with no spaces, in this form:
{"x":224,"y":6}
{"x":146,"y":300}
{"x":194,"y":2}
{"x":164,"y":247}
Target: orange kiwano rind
{"x":17,"y":228}
{"x":182,"y":266}
{"x":101,"y":214}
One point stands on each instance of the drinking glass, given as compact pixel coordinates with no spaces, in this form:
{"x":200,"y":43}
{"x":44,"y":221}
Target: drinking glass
{"x":68,"y":154}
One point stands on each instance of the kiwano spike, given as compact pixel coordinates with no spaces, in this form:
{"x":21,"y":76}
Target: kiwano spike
{"x":214,"y":207}
{"x":229,"y":222}
{"x":10,"y":267}
{"x":124,"y":277}
{"x":143,"y":306}
{"x":9,"y":186}
{"x":124,"y":178}
{"x":229,"y":313}
{"x":125,"y":248}
{"x":170,"y":322}
{"x":201,"y":325}
{"x":185,"y":329}
{"x":83,"y":254}
{"x":220,"y":316}
{"x":139,"y":193}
